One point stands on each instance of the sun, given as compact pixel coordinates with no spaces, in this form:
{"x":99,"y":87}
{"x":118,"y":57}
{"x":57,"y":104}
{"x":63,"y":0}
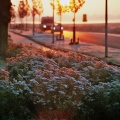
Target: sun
{"x":64,"y":2}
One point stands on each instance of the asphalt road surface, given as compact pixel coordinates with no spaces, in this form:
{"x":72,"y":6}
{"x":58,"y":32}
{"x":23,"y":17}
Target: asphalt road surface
{"x":95,"y":38}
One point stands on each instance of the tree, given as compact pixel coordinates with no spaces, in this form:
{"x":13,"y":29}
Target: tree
{"x":22,"y":11}
{"x":60,"y":9}
{"x":13,"y":15}
{"x":52,"y":2}
{"x":5,"y":17}
{"x":12,"y":11}
{"x":27,"y":8}
{"x":37,"y":9}
{"x":75,"y":5}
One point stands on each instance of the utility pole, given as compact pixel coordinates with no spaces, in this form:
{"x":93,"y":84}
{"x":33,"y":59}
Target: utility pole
{"x":33,"y":21}
{"x":26,"y":17}
{"x":53,"y":23}
{"x":106,"y":28}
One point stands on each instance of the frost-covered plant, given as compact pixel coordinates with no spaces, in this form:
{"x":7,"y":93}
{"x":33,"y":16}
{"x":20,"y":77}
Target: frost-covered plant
{"x":14,"y":104}
{"x":13,"y":49}
{"x":4,"y":75}
{"x":102,"y":102}
{"x":60,"y":92}
{"x":57,"y":80}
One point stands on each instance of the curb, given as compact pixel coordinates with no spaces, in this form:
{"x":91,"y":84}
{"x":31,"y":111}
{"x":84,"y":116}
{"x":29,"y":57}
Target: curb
{"x":65,"y":50}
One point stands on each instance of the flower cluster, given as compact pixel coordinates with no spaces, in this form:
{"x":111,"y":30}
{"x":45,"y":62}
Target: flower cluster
{"x":56,"y":79}
{"x":4,"y":75}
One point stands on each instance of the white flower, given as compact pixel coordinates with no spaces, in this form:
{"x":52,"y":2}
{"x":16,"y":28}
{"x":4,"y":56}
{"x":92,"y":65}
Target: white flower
{"x":61,"y":92}
{"x":34,"y":81}
{"x":66,"y":86}
{"x":51,"y":90}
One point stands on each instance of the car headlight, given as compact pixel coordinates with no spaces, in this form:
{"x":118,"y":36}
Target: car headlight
{"x":44,"y":26}
{"x":61,"y":28}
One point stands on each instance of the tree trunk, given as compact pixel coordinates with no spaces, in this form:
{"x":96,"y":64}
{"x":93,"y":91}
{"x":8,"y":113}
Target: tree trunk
{"x":5,"y":17}
{"x":60,"y":26}
{"x":3,"y":39}
{"x":33,"y":24}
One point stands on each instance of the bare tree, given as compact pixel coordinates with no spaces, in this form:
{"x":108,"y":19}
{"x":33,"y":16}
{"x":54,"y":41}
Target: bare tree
{"x":5,"y":17}
{"x":75,"y":5}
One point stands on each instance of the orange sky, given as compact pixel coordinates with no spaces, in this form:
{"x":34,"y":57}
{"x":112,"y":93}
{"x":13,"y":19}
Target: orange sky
{"x":95,"y":10}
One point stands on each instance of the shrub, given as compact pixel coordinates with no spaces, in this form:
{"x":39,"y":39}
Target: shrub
{"x":13,"y":104}
{"x":101,"y":103}
{"x":61,"y":81}
{"x":13,"y":49}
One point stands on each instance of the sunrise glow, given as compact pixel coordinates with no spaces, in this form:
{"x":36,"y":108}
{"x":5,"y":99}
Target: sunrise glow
{"x":95,"y":10}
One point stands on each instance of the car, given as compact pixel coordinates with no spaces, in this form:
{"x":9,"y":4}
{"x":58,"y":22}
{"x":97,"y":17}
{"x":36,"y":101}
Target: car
{"x":46,"y":23}
{"x":57,"y":28}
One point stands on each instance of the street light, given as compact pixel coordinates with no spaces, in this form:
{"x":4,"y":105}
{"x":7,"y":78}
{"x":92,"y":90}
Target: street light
{"x":106,"y":28}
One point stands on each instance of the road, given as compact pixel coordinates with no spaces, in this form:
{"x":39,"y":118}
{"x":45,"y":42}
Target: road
{"x":96,"y":38}
{"x":89,"y":49}
{"x":88,"y":37}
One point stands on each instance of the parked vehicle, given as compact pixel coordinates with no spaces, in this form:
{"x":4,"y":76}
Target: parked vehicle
{"x":46,"y":23}
{"x":57,"y":28}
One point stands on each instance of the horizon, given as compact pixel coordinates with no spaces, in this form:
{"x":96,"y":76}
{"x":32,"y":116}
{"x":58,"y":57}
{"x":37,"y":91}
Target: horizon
{"x":93,"y":22}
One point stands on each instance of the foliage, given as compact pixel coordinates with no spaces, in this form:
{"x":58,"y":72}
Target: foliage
{"x":58,"y":82}
{"x":52,"y":91}
{"x":22,"y":9}
{"x":101,"y":103}
{"x":37,"y":7}
{"x":13,"y":49}
{"x":75,"y":5}
{"x":13,"y":14}
{"x":14,"y":105}
{"x":60,"y":8}
{"x":27,"y":7}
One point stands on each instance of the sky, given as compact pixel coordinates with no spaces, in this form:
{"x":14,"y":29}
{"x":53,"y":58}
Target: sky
{"x":95,"y":10}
